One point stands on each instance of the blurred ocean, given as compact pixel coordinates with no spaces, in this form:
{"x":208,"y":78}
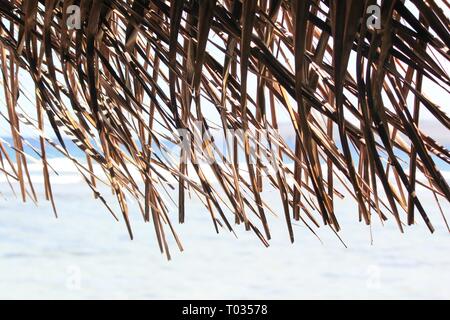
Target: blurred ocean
{"x":86,"y":254}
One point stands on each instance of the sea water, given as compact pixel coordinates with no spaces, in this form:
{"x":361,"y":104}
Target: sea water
{"x":85,"y":254}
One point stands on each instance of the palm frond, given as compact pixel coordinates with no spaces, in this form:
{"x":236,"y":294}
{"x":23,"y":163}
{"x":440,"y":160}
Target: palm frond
{"x":136,"y":72}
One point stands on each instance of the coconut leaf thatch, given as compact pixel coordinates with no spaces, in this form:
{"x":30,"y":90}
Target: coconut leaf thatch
{"x":123,"y":84}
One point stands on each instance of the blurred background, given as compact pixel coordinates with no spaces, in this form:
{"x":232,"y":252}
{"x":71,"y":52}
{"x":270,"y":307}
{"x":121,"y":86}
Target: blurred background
{"x":85,"y":254}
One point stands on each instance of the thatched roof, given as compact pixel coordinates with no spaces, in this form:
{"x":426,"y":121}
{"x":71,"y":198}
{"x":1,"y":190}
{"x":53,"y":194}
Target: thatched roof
{"x":135,"y":72}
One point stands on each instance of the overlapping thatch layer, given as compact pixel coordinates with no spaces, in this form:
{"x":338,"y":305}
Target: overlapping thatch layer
{"x":123,"y":82}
